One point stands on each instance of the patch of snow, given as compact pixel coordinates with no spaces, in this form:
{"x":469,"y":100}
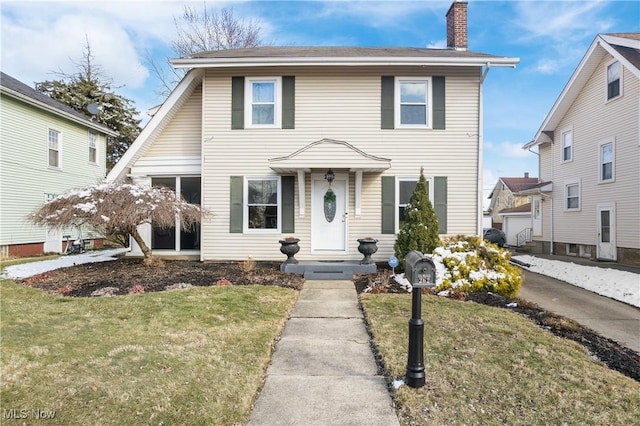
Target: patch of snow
{"x":512,"y":305}
{"x":397,"y":383}
{"x":26,"y":270}
{"x":619,"y":285}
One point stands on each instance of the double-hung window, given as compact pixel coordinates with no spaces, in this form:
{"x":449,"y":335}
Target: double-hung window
{"x":263,"y":102}
{"x":607,"y":161}
{"x":613,"y":80}
{"x":93,"y":147}
{"x":405,"y":189}
{"x":54,"y":148}
{"x":572,"y":195}
{"x":567,"y":146}
{"x":262,"y":204}
{"x":413,"y":102}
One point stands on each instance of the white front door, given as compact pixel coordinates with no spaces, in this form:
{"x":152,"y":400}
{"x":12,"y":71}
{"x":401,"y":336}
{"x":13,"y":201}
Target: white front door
{"x":536,"y":215}
{"x":329,"y":234}
{"x":606,"y":248}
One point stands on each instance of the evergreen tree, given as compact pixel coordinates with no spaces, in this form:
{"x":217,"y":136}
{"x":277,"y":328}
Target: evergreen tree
{"x":87,"y":86}
{"x":420,"y":228}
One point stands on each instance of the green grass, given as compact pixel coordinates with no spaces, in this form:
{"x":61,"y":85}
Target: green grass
{"x":489,"y":366}
{"x":195,"y":356}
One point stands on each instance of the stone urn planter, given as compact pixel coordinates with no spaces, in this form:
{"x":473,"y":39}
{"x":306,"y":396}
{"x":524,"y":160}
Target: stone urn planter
{"x":290,"y":247}
{"x":367,"y":246}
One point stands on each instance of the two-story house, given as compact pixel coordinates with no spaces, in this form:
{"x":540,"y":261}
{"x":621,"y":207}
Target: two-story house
{"x":46,"y":149}
{"x":506,"y":195}
{"x":588,"y":201}
{"x":260,"y":135}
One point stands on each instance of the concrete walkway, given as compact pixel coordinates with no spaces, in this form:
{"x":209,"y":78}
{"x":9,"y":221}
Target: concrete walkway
{"x":323,"y":371}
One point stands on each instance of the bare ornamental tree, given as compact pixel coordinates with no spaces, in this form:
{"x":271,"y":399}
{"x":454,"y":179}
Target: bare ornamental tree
{"x":121,"y":208}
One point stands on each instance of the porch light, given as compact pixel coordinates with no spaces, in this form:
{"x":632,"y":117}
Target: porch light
{"x":329,"y":176}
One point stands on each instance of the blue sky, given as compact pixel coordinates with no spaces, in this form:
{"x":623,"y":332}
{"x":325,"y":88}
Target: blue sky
{"x":549,"y":37}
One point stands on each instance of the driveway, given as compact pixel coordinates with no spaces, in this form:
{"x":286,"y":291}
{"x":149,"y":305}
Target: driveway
{"x":609,"y":318}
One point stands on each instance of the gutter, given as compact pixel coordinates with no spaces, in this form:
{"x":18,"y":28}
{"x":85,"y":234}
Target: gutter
{"x":333,"y":61}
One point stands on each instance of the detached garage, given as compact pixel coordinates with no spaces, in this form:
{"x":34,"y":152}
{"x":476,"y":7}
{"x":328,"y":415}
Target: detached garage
{"x":517,"y":221}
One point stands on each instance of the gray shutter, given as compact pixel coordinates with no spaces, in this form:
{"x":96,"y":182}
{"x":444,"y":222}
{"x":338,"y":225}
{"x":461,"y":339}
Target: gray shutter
{"x":388,"y":205}
{"x":237,"y":102}
{"x":236,"y":209}
{"x":288,"y":217}
{"x":440,"y":201}
{"x":439,"y":116}
{"x":288,"y":102}
{"x":386,"y":101}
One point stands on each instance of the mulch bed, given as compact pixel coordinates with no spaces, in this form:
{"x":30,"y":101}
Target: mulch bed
{"x":130,"y":276}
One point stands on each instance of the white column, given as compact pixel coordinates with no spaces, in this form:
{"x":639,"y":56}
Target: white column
{"x":301,"y":200}
{"x":358,"y":194}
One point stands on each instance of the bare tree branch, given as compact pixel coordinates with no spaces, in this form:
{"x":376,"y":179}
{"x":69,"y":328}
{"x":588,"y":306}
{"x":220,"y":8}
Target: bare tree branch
{"x":205,"y":30}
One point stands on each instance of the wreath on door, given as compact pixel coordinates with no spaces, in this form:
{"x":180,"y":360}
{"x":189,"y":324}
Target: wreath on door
{"x":329,"y":205}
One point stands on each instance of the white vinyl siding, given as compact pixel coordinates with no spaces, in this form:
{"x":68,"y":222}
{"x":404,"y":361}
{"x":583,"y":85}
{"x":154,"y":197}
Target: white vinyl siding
{"x":342,"y":104}
{"x":593,"y":122}
{"x":182,"y":135}
{"x":28,"y":161}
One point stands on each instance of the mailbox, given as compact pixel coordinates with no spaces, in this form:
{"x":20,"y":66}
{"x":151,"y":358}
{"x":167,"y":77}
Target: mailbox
{"x":419,"y":270}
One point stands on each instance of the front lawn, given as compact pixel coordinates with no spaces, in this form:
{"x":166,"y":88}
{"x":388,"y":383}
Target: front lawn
{"x":489,"y":366}
{"x":194,"y":356}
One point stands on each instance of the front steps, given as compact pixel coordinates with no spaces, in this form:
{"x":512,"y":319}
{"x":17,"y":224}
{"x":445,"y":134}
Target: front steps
{"x":338,"y":270}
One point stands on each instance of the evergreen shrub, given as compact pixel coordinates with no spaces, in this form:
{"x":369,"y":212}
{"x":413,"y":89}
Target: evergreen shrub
{"x":470,"y":264}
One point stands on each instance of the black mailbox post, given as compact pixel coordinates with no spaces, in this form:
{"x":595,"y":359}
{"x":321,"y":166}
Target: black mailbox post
{"x":421,"y":273}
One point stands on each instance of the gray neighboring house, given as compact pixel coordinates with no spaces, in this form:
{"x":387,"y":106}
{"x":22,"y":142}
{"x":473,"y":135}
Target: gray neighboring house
{"x":253,"y":135}
{"x":588,"y":200}
{"x":46,"y":148}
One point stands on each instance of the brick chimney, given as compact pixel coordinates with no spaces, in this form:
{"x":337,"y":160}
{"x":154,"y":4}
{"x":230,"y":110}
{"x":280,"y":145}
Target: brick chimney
{"x":457,"y":25}
{"x":526,"y":175}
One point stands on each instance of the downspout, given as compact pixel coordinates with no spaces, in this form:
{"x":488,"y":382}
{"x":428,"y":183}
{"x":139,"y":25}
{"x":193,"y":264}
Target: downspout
{"x":549,"y":197}
{"x":479,"y":172}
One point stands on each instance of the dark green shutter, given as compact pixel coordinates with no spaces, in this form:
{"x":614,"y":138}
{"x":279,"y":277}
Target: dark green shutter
{"x":440,"y":201}
{"x":439,"y":116}
{"x":236,"y":209}
{"x":288,"y":217}
{"x":237,"y":102}
{"x":386,"y":101}
{"x":388,"y":205}
{"x":288,"y":102}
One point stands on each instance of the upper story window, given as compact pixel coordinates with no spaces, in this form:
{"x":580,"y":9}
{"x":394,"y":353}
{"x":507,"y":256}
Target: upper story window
{"x":93,"y":147}
{"x":413,"y":102}
{"x":263,"y":102}
{"x":572,"y":195}
{"x":607,"y":161}
{"x":613,"y":80}
{"x":54,"y":148}
{"x":262,"y":204}
{"x":567,"y":146}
